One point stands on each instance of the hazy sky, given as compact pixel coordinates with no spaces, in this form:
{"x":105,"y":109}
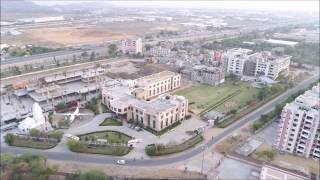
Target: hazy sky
{"x":308,"y":6}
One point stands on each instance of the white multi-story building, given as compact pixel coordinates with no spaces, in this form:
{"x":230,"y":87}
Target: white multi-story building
{"x":139,"y":102}
{"x":235,"y":60}
{"x":269,"y":65}
{"x":244,"y":62}
{"x":299,"y":129}
{"x":132,"y":46}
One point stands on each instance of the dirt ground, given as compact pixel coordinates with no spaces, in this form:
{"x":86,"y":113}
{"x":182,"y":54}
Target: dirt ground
{"x":227,"y":145}
{"x":62,"y":35}
{"x":122,"y":171}
{"x":144,"y":69}
{"x":74,"y":35}
{"x":292,"y":162}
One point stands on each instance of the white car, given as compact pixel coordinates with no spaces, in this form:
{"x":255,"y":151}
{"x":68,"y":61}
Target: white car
{"x":121,"y":162}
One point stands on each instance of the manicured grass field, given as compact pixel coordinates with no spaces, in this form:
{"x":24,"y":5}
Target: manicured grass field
{"x":203,"y":96}
{"x":111,"y":136}
{"x":111,"y":122}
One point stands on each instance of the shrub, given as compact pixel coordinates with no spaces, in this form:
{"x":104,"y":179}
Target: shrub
{"x":9,"y":138}
{"x":93,"y":175}
{"x":55,"y":134}
{"x":34,"y":132}
{"x":188,"y":116}
{"x":61,"y":106}
{"x":267,"y":155}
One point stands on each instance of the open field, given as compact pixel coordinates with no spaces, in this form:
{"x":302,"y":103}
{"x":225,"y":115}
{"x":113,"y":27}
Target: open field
{"x":202,"y":96}
{"x":74,"y":35}
{"x":83,"y":33}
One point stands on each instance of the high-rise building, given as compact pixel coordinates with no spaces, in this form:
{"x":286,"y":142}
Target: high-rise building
{"x":131,"y":46}
{"x":299,"y":128}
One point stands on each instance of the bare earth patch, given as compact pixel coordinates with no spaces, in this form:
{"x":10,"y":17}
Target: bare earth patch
{"x":122,"y":171}
{"x":74,"y":35}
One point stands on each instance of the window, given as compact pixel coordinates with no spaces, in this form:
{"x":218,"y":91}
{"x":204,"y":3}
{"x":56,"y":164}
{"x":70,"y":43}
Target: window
{"x":161,"y":125}
{"x":154,"y":124}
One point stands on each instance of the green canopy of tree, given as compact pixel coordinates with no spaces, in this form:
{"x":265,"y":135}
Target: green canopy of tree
{"x":25,"y":166}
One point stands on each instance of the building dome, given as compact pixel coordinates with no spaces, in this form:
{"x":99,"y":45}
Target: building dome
{"x":37,"y":112}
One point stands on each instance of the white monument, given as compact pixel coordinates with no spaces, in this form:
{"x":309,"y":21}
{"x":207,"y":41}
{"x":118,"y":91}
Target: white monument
{"x":37,"y":121}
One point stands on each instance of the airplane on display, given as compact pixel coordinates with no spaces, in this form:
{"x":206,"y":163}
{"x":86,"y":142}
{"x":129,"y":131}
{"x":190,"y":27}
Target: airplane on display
{"x":72,"y":116}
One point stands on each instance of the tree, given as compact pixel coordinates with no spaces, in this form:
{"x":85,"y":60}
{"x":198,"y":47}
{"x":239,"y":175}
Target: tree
{"x":74,"y":58}
{"x":61,"y":106}
{"x":92,"y":56}
{"x":16,"y":70}
{"x":93,"y":175}
{"x":9,"y":138}
{"x":55,"y":134}
{"x":112,"y":50}
{"x":84,"y":54}
{"x":25,"y":166}
{"x":34,"y":132}
{"x":233,"y":111}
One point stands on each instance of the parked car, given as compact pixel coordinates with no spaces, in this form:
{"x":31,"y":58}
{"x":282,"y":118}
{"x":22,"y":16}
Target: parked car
{"x":137,"y":128}
{"x":121,"y":162}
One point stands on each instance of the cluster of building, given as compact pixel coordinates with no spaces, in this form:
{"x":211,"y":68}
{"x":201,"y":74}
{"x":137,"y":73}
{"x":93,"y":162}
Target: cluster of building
{"x":68,"y":87}
{"x":244,"y":62}
{"x":299,"y":128}
{"x":144,"y":100}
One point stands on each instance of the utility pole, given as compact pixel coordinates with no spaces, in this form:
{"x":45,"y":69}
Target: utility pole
{"x":204,"y":149}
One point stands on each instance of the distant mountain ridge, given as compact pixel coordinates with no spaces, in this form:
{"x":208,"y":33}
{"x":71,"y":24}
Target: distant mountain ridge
{"x":21,"y":6}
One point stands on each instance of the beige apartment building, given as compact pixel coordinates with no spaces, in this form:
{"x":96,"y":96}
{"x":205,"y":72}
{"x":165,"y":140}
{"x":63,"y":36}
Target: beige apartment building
{"x":156,"y":84}
{"x":140,"y":103}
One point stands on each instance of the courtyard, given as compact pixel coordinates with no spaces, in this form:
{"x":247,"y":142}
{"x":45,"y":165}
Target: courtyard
{"x":223,"y":98}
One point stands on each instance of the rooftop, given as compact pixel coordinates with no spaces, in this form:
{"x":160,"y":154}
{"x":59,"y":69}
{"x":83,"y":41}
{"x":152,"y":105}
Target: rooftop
{"x":154,"y":77}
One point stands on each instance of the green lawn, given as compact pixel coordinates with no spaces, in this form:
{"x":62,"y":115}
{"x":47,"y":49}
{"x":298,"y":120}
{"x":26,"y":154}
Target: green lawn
{"x":111,"y":122}
{"x":111,"y":136}
{"x":203,"y":96}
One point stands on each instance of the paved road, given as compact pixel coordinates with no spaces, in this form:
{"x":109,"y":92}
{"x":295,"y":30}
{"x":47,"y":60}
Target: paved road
{"x":70,"y":156}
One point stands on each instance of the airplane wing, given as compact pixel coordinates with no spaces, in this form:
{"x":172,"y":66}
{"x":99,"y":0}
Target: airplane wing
{"x":62,"y":114}
{"x":84,"y":114}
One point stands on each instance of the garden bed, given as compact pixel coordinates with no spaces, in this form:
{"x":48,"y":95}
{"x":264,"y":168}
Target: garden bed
{"x":33,"y":144}
{"x":159,"y":133}
{"x":111,"y":122}
{"x":82,"y":147}
{"x":160,"y":150}
{"x":117,"y":143}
